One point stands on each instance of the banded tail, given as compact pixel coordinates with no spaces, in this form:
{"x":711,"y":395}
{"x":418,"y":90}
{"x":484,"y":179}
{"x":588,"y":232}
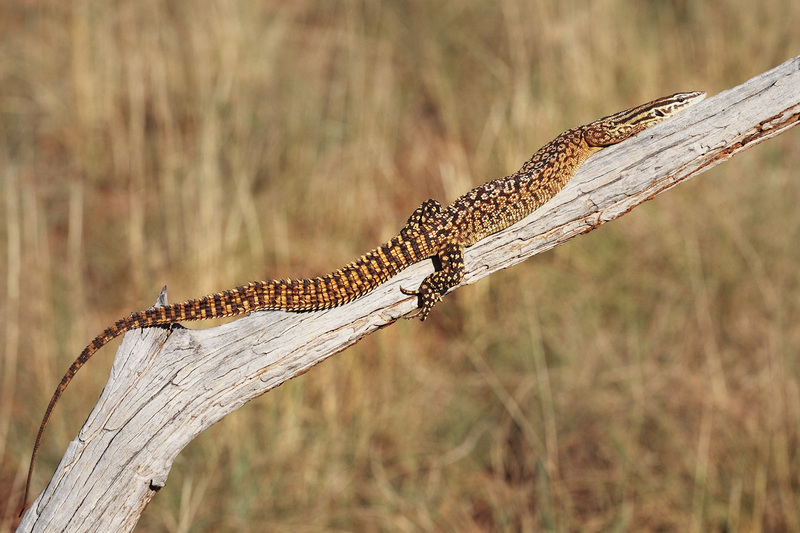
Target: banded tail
{"x":334,"y":289}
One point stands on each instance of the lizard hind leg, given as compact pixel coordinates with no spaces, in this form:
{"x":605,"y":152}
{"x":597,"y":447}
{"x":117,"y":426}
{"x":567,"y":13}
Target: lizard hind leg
{"x":434,"y":286}
{"x":422,"y":215}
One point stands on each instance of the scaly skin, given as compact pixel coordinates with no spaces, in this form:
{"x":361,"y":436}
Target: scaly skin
{"x":431,"y":231}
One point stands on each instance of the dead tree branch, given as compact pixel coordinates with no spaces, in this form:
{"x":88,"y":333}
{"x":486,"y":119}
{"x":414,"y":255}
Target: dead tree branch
{"x":167,"y":387}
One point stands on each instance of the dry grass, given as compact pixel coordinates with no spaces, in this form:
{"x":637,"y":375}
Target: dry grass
{"x":645,"y":377}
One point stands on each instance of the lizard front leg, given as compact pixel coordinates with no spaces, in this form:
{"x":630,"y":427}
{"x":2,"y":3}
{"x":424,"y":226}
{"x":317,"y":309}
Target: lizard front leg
{"x":434,"y":286}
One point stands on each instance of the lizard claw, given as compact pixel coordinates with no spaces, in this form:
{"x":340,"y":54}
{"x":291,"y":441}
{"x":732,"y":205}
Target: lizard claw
{"x":409,"y":293}
{"x":417,"y":311}
{"x":428,"y":298}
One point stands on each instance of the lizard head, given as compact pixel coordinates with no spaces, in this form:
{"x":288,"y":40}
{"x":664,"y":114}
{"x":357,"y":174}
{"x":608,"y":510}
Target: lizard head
{"x":619,"y":126}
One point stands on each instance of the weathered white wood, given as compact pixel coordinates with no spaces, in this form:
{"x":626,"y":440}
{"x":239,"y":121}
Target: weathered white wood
{"x":166,"y":388}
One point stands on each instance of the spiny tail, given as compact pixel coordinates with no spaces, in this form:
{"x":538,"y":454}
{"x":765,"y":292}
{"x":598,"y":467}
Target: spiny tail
{"x":334,"y":289}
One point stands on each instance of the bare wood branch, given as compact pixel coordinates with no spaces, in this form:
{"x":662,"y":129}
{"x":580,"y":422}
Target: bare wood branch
{"x":167,"y":387}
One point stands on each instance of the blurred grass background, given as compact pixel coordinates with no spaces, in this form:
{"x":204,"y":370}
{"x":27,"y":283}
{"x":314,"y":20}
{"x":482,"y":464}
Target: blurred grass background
{"x":644,"y":377}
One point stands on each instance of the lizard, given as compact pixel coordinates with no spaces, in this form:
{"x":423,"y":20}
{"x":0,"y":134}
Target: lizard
{"x":430,"y":232}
